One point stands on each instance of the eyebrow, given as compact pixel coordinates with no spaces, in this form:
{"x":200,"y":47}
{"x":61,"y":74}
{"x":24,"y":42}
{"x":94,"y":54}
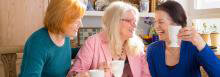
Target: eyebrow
{"x":127,"y":18}
{"x":160,"y":19}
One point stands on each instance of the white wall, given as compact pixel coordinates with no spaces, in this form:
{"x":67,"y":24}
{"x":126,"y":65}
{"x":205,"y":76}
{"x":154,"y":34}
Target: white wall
{"x":186,"y":6}
{"x":95,"y":21}
{"x":204,"y":14}
{"x":199,"y":15}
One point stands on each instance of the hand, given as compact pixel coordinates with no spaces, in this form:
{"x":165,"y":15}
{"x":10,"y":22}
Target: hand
{"x":190,"y":34}
{"x":106,"y":67}
{"x":82,"y":74}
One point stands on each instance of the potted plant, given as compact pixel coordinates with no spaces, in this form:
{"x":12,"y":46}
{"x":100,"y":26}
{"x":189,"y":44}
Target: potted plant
{"x":152,"y":35}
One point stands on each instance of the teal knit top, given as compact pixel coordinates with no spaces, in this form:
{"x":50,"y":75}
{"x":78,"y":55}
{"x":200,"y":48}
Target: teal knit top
{"x":42,"y":58}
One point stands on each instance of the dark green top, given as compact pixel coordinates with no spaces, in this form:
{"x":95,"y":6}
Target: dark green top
{"x":42,"y":58}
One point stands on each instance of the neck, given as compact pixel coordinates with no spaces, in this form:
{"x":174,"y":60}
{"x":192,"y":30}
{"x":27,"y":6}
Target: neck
{"x":58,"y":39}
{"x":167,"y":42}
{"x":123,"y":40}
{"x":171,"y":49}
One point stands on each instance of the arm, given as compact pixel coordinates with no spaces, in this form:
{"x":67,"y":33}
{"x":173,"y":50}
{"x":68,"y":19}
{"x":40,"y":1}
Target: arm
{"x":83,"y":59}
{"x":151,"y":62}
{"x":33,"y":59}
{"x":74,"y":52}
{"x":206,"y":57}
{"x":145,"y":70}
{"x":191,"y":35}
{"x":209,"y":61}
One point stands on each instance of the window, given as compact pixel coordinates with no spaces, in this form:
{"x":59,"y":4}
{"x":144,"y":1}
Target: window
{"x":207,"y":4}
{"x":212,"y":25}
{"x":205,"y":12}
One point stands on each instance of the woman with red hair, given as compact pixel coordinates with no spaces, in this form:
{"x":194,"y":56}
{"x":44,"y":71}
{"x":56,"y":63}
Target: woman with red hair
{"x":47,"y":52}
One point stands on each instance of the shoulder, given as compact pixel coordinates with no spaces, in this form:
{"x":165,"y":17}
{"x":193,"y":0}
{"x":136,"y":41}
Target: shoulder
{"x":38,"y":40}
{"x":39,"y":35}
{"x":41,"y":31}
{"x":37,"y":44}
{"x":188,"y":45}
{"x":92,"y":41}
{"x":96,"y":38}
{"x":154,"y":48}
{"x":155,"y":45}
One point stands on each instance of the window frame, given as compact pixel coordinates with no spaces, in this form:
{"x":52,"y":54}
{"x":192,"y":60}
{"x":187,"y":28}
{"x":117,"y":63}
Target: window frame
{"x":202,"y":13}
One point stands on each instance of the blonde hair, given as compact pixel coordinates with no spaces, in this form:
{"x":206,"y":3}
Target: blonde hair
{"x":61,"y":13}
{"x":110,"y":22}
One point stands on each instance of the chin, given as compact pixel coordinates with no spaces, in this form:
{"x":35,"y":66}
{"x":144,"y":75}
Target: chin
{"x":130,"y":36}
{"x":72,"y":35}
{"x":161,"y":38}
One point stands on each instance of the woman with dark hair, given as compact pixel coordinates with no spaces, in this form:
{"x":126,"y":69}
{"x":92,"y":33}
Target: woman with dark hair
{"x":183,"y":61}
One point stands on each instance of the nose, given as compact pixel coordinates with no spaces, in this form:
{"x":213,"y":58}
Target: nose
{"x":156,"y":25}
{"x":79,"y":24}
{"x":134,"y":24}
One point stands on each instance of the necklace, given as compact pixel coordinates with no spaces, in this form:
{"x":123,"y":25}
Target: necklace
{"x":121,"y":56}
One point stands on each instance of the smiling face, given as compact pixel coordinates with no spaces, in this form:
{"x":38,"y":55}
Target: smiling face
{"x":163,"y":21}
{"x":127,"y":25}
{"x":72,"y":29}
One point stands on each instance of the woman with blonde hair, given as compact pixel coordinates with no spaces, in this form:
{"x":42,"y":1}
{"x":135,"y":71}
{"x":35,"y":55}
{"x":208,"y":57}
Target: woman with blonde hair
{"x":117,"y":41}
{"x":47,"y":52}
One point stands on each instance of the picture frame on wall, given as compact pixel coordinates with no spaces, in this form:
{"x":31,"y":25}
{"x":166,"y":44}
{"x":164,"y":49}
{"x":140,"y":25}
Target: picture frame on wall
{"x":85,"y":32}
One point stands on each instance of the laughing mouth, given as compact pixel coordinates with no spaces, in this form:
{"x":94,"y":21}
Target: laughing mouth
{"x":131,"y":30}
{"x":75,"y":30}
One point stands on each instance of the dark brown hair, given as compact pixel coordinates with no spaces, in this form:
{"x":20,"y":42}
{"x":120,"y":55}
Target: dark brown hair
{"x":175,"y":11}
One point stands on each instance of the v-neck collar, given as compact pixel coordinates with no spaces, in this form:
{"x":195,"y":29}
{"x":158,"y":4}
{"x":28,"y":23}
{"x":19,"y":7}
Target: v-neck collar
{"x":164,"y":59}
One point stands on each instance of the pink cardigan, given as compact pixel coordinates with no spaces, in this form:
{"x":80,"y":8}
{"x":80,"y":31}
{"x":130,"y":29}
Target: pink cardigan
{"x":95,"y":51}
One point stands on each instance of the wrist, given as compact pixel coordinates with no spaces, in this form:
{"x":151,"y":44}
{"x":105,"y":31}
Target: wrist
{"x":200,"y":45}
{"x":199,"y":42}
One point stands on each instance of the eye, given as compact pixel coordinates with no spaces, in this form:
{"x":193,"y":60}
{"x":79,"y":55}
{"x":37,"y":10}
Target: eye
{"x":160,"y":21}
{"x":126,"y":20}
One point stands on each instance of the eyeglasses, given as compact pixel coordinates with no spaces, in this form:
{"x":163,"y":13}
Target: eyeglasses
{"x":132,"y":21}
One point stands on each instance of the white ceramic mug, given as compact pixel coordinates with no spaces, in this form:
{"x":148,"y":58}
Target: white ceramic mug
{"x":173,"y":31}
{"x":96,"y":73}
{"x":117,"y":67}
